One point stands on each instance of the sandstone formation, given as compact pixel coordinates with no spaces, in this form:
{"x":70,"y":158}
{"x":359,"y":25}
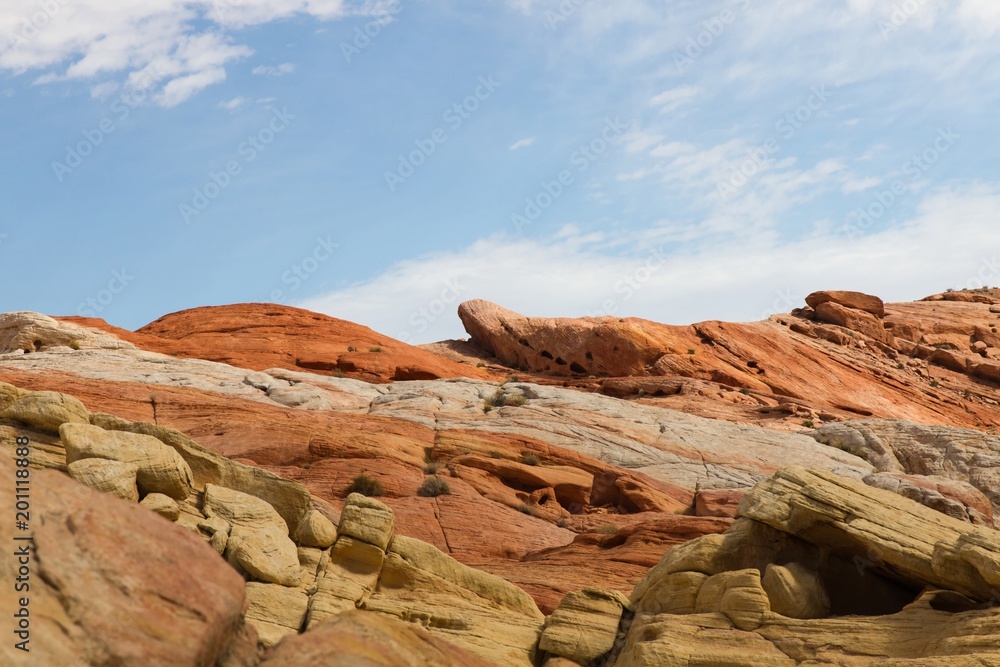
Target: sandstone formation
{"x":261,"y":336}
{"x":846,"y":356}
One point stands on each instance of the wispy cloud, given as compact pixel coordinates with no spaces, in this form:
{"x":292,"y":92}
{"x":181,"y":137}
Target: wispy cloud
{"x":522,"y":143}
{"x":273,"y":70}
{"x":673,"y":99}
{"x":233,"y":104}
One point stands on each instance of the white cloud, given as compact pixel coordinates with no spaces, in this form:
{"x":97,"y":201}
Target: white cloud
{"x":671,"y":100}
{"x":522,"y":143}
{"x":233,"y":104}
{"x":269,"y":70}
{"x":188,"y":43}
{"x":736,"y":279}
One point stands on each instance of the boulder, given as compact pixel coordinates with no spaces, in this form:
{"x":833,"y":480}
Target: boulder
{"x":163,"y":505}
{"x":275,"y":611}
{"x":316,"y":531}
{"x":368,"y":520}
{"x":47,"y":411}
{"x":110,"y":586}
{"x":114,"y":477}
{"x":795,"y":591}
{"x":160,"y":468}
{"x":854,"y":300}
{"x":584,"y":626}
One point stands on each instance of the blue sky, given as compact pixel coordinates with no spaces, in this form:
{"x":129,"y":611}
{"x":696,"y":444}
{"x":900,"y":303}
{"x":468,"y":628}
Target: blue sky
{"x":383,"y":161}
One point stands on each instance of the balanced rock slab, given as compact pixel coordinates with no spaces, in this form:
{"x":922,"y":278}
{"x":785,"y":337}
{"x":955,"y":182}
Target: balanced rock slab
{"x":47,"y":410}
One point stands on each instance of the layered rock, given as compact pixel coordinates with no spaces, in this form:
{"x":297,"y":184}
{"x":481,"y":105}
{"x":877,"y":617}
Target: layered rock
{"x":821,"y":569}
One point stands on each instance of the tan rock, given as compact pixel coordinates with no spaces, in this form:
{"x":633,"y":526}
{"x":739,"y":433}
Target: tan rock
{"x":266,"y":554}
{"x":316,"y":531}
{"x":275,"y":611}
{"x":47,"y":411}
{"x":795,"y":591}
{"x":584,"y":626}
{"x":163,"y":505}
{"x":160,"y":468}
{"x":367,"y":519}
{"x":114,"y":477}
{"x":675,"y":593}
{"x":348,"y":579}
{"x":9,"y":394}
{"x":364,"y":639}
{"x":737,"y":594}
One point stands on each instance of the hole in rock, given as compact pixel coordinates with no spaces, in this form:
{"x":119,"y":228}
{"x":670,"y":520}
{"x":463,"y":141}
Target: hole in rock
{"x":590,"y":357}
{"x":577,"y":368}
{"x":561,"y":361}
{"x":38,"y":345}
{"x":856,"y":588}
{"x":546,"y":354}
{"x":751,"y":364}
{"x":954,"y":603}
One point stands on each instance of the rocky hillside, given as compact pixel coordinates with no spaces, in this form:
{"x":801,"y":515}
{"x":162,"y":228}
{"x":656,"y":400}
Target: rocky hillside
{"x":634,"y":512}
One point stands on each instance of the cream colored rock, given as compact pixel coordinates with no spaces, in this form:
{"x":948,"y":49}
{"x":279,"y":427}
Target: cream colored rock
{"x":9,"y":394}
{"x":348,"y":579}
{"x":163,"y":505}
{"x":316,"y":531}
{"x":266,"y":554}
{"x":160,"y":468}
{"x":914,"y":542}
{"x":584,"y":626}
{"x":674,"y":593}
{"x":114,"y":477}
{"x":217,"y":531}
{"x":368,"y":520}
{"x":275,"y":611}
{"x":31,"y":332}
{"x":738,"y":595}
{"x":47,"y":410}
{"x":795,"y":591}
{"x":487,"y":586}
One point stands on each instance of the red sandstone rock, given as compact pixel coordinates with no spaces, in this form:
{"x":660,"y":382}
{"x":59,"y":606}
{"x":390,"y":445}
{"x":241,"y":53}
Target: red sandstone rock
{"x":261,"y":336}
{"x":855,"y":300}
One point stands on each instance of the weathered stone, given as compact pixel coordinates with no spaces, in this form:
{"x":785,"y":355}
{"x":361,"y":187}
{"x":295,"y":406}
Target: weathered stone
{"x":855,"y":300}
{"x":316,"y":531}
{"x":163,"y":505}
{"x":584,"y":626}
{"x":367,"y":519}
{"x":795,"y":591}
{"x":160,"y":468}
{"x":114,"y":477}
{"x":47,"y":410}
{"x":275,"y":611}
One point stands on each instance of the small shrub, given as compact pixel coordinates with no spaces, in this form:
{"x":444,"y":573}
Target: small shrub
{"x":745,"y":391}
{"x":434,"y":487}
{"x":74,"y":344}
{"x":642,"y":392}
{"x":934,"y":383}
{"x":366,"y":486}
{"x":431,"y":467}
{"x":530,"y":459}
{"x":530,"y":510}
{"x":339,"y":373}
{"x":513,"y":378}
{"x":691,"y":350}
{"x":607,"y":529}
{"x":808,"y":423}
{"x":500,"y":399}
{"x":900,"y":365}
{"x":966,"y":394}
{"x":480,"y":365}
{"x":562,"y":523}
{"x":376,"y":350}
{"x":496,"y":455}
{"x":351,"y":348}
